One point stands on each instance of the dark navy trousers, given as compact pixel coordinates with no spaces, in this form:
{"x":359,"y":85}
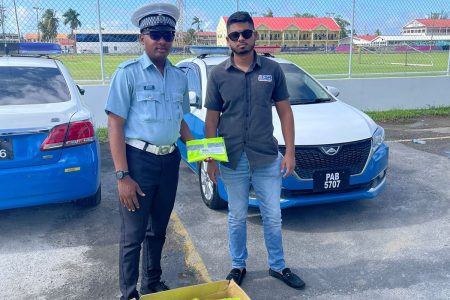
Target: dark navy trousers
{"x":157,"y":175}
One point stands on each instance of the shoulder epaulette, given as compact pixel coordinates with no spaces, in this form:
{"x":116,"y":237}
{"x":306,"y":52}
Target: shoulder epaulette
{"x":128,"y":62}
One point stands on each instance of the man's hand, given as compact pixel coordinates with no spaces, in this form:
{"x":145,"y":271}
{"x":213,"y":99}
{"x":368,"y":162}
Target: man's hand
{"x":127,"y":193}
{"x":213,"y":170}
{"x":288,"y":164}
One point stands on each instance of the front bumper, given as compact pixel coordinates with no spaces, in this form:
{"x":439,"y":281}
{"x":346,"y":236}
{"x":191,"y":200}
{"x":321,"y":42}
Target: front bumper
{"x":369,"y":184}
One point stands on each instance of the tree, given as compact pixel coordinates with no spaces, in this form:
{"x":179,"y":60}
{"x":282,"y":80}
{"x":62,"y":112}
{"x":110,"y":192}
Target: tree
{"x":196,"y":21}
{"x":437,"y":15}
{"x":378,"y":32}
{"x":304,"y":15}
{"x":343,"y":24}
{"x":71,"y":18}
{"x":269,"y":13}
{"x":190,"y":37}
{"x":49,"y":25}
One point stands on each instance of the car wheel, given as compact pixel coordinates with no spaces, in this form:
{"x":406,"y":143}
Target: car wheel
{"x":208,"y":189}
{"x":93,"y":200}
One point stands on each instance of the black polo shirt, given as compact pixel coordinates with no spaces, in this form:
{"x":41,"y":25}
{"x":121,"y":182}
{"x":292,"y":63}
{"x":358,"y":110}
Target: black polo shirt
{"x":245,"y":102}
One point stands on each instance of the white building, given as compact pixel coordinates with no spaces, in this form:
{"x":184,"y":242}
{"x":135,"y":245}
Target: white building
{"x":113,"y":42}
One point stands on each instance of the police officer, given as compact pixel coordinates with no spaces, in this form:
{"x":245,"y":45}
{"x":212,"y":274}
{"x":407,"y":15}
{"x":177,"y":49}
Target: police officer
{"x":146,"y":103}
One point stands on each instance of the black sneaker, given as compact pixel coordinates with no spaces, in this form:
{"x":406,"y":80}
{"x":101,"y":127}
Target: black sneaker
{"x":237,"y":275}
{"x":289,"y":278}
{"x":159,"y":287}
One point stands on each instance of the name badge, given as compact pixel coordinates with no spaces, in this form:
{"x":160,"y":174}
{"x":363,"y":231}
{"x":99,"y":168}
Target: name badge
{"x":266,"y":78}
{"x":149,"y":87}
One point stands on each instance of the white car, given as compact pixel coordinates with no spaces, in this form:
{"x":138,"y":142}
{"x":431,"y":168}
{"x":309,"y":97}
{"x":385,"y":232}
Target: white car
{"x":48,"y":148}
{"x":340,"y":151}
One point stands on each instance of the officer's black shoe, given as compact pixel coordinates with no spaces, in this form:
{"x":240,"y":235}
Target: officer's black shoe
{"x":289,"y":278}
{"x":159,"y":287}
{"x":237,"y":275}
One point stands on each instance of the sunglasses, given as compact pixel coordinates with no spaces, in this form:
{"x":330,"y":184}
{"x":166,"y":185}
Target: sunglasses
{"x":246,"y":34}
{"x":168,"y":36}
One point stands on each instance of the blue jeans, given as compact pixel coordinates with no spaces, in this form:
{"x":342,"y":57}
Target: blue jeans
{"x":266,"y":182}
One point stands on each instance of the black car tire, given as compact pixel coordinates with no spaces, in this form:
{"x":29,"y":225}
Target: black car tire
{"x":208,"y":189}
{"x":93,"y":200}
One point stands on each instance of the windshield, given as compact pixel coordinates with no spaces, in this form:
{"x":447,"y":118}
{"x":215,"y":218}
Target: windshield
{"x":302,"y":88}
{"x":32,"y":85}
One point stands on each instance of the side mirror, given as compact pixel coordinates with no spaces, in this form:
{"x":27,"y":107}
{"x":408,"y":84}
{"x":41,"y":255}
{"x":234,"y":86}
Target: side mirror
{"x":334,"y":91}
{"x":80,"y":90}
{"x":194,"y":100}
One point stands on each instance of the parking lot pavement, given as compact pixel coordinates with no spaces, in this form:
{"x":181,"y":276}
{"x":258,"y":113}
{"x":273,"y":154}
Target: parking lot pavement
{"x":66,"y":252}
{"x":396,"y":246}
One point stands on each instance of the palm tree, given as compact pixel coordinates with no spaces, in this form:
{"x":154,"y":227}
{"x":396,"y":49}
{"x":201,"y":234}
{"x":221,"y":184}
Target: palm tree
{"x":71,"y":18}
{"x":49,"y":25}
{"x":196,"y":21}
{"x":378,"y":32}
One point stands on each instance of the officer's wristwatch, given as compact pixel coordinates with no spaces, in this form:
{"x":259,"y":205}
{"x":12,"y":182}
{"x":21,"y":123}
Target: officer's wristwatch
{"x":121,"y":174}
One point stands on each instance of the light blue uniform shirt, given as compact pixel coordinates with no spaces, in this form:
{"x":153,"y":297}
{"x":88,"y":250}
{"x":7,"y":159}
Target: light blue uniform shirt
{"x":152,"y":105}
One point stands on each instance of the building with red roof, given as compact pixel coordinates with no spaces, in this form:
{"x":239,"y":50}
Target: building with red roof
{"x":289,"y":31}
{"x":427,"y":27}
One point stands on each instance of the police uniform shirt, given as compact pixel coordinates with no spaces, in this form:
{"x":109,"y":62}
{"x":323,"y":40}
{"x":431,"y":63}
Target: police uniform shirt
{"x":152,"y":105}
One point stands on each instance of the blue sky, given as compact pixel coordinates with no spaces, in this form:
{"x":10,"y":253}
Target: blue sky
{"x":387,"y":15}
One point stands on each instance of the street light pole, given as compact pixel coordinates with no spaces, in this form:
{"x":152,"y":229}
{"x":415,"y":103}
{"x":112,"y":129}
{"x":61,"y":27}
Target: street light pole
{"x":237,"y":5}
{"x":17,"y":21}
{"x":2,"y":12}
{"x":37,"y":21}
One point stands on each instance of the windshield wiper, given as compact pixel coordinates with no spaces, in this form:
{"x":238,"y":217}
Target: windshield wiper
{"x":316,"y":100}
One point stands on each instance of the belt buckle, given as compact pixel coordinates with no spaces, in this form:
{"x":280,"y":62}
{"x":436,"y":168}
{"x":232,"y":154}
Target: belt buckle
{"x":162,"y":150}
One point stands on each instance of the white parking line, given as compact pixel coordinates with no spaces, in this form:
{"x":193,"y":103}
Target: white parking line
{"x":425,"y":139}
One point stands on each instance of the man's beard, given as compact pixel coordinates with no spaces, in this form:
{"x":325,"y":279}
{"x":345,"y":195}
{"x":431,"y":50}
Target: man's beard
{"x":247,"y":49}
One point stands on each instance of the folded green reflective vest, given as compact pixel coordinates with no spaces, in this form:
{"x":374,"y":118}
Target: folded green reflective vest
{"x":214,"y":148}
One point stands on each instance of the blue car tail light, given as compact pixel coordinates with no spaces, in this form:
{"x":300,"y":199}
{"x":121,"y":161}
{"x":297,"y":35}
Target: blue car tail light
{"x":69,"y":135}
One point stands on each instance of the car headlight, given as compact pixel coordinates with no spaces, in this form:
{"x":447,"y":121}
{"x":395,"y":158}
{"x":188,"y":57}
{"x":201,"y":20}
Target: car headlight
{"x":377,"y":138}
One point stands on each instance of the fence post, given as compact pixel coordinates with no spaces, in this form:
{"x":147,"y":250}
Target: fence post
{"x":351,"y":41}
{"x":448,"y":64}
{"x":99,"y":21}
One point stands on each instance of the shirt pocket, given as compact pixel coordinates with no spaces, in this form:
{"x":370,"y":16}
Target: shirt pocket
{"x":263,"y":92}
{"x":177,"y":106}
{"x":150,"y":106}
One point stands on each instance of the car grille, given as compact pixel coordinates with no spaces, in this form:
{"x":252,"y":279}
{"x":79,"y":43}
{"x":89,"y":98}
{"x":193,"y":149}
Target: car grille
{"x":351,"y":156}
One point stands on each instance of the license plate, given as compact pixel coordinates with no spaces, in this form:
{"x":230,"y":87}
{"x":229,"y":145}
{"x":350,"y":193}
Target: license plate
{"x":325,"y":181}
{"x":6,"y":149}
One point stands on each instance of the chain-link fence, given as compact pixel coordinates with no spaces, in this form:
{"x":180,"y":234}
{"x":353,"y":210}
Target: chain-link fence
{"x":328,"y":38}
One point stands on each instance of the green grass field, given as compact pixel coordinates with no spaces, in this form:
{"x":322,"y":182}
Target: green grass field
{"x":85,"y":67}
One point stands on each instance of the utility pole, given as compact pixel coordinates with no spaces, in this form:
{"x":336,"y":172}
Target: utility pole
{"x":2,"y":15}
{"x":17,"y":21}
{"x":37,"y":21}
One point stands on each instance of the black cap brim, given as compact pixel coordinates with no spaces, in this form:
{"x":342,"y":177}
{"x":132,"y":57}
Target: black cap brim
{"x":159,"y":28}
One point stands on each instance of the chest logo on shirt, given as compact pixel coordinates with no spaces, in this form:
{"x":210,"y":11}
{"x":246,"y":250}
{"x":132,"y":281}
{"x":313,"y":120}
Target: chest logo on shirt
{"x":149,"y":87}
{"x":266,"y":78}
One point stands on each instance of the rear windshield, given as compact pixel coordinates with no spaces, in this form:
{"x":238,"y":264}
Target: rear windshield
{"x":32,"y":85}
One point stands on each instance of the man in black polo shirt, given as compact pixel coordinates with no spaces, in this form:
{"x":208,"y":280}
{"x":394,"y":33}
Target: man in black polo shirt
{"x":239,"y":100}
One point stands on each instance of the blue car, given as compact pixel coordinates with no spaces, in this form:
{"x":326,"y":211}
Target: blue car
{"x":48,"y":148}
{"x":340,"y":151}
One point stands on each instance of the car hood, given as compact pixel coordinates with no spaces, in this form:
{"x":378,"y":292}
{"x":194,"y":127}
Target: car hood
{"x":326,"y":123}
{"x":22,"y":117}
